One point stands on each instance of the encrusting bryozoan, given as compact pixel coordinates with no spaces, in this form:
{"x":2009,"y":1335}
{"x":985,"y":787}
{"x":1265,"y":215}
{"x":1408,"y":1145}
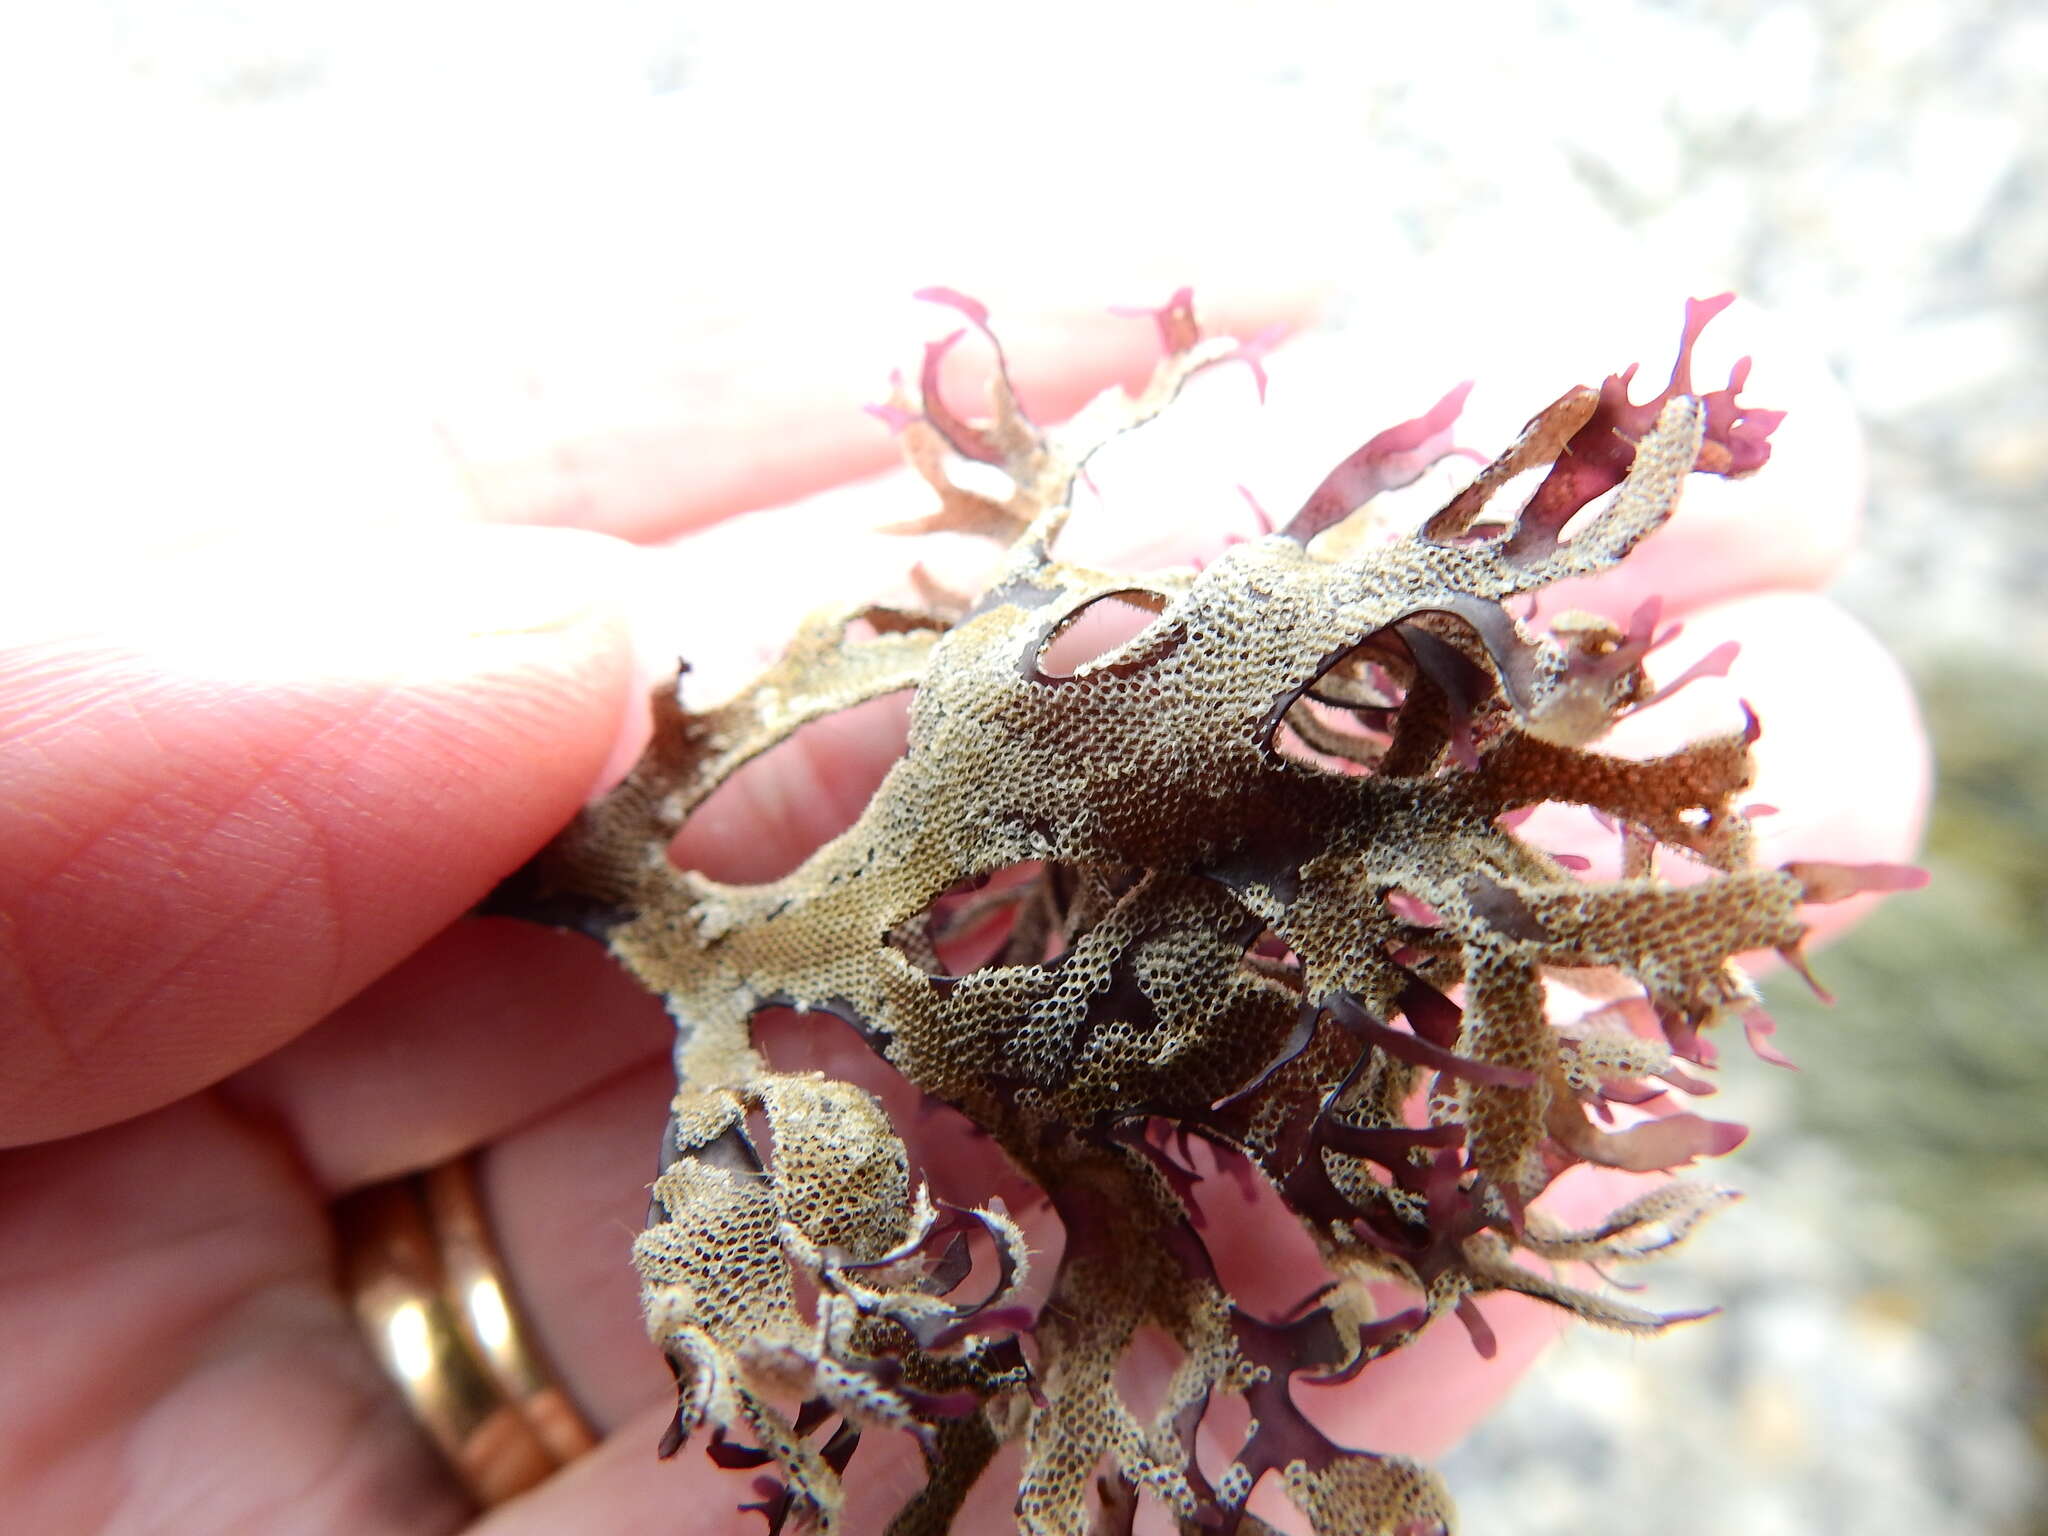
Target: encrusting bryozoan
{"x":1217,"y":884}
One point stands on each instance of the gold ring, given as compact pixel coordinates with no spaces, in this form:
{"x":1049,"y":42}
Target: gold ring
{"x":419,"y":1266}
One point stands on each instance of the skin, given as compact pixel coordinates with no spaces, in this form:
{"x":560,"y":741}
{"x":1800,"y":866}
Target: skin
{"x":252,"y":779}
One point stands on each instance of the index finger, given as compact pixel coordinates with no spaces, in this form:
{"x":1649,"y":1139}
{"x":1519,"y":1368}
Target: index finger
{"x":733,"y":416}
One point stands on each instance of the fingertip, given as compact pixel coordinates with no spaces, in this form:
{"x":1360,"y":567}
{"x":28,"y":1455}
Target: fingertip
{"x":1843,"y":757}
{"x":1425,"y":1397}
{"x":1791,"y":525}
{"x":1844,"y":753}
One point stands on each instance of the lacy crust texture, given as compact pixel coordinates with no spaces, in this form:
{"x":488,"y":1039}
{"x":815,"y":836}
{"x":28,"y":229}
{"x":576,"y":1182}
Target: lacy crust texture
{"x":1201,"y":901}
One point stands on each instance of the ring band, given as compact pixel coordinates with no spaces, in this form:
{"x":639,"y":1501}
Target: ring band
{"x":428,"y":1287}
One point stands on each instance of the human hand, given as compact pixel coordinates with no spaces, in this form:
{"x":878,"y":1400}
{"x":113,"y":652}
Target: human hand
{"x":248,"y":798}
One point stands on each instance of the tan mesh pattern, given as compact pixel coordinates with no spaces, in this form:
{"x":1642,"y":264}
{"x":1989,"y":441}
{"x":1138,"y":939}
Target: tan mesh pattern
{"x":1249,"y":947}
{"x":1504,"y":1025}
{"x":1361,"y":1497}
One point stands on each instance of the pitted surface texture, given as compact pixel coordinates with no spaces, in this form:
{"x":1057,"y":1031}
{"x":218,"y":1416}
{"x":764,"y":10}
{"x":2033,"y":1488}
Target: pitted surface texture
{"x":1249,"y":878}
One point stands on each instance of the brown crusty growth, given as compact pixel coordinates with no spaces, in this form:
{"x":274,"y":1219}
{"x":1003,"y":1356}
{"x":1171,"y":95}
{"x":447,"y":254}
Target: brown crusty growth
{"x":1243,"y":860}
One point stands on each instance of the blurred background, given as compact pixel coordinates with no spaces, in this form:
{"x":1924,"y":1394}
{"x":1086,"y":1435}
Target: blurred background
{"x":233,"y":226}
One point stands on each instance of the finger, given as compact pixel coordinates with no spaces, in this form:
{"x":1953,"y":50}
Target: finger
{"x":764,"y":820}
{"x":733,"y":415}
{"x":567,"y":1195}
{"x":245,"y":790}
{"x":1791,"y":525}
{"x":1843,"y":759}
{"x":622,"y":1486}
{"x":1429,"y":1394}
{"x":177,"y":1350}
{"x":494,"y":1025}
{"x":612,"y":327}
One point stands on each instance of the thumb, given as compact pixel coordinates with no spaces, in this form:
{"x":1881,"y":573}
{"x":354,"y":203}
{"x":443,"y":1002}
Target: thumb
{"x":249,"y":782}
